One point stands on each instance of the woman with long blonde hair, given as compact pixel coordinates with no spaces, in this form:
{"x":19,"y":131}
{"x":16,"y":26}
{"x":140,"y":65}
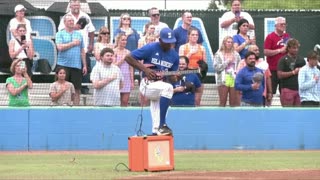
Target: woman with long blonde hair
{"x":120,"y":52}
{"x":125,"y":27}
{"x":225,"y":65}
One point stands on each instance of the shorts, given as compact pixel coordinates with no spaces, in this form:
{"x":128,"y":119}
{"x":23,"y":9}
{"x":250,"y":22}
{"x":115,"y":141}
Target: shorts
{"x":229,"y":80}
{"x":73,"y":75}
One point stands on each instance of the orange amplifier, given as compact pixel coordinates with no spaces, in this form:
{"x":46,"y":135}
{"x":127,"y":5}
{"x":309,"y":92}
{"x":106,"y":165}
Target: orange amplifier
{"x":151,"y":153}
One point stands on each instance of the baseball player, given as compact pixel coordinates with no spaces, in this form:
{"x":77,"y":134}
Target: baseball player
{"x":161,"y":57}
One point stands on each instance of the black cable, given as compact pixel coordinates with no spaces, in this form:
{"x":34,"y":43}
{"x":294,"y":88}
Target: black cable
{"x":139,"y":132}
{"x":116,"y":167}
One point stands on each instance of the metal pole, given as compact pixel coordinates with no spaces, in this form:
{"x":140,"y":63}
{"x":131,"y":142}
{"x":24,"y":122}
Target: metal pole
{"x":165,"y":4}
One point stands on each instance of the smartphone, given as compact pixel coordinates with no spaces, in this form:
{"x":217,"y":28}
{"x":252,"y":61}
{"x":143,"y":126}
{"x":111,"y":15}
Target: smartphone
{"x":237,"y":13}
{"x":22,"y":64}
{"x":23,"y":38}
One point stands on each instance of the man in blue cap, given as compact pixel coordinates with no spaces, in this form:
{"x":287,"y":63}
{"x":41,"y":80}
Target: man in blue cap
{"x":158,"y":57}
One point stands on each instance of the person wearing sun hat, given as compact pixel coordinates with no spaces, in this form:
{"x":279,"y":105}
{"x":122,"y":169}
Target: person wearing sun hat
{"x":157,"y":57}
{"x":19,"y":18}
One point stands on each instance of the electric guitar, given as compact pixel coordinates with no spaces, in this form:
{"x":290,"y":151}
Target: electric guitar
{"x":201,"y":71}
{"x":162,"y":75}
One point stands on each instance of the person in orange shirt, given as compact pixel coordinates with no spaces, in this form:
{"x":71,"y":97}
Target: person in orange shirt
{"x":195,"y":52}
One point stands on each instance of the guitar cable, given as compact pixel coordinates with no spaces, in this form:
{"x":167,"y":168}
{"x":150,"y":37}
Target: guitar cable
{"x":139,"y":131}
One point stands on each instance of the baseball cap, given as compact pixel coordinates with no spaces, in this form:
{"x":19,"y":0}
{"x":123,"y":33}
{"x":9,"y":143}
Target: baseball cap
{"x":83,"y":21}
{"x":166,"y":35}
{"x":280,"y":20}
{"x":19,"y":7}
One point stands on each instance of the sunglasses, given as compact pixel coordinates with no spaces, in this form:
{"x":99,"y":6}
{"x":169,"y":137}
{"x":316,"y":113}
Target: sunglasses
{"x":155,"y":15}
{"x":104,"y":33}
{"x":126,"y":18}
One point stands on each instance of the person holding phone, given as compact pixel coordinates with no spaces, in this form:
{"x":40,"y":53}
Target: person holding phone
{"x":229,"y":20}
{"x":21,"y":47}
{"x":18,"y":84}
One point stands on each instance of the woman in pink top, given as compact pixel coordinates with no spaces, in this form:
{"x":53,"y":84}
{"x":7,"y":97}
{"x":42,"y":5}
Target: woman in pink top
{"x":127,"y":71}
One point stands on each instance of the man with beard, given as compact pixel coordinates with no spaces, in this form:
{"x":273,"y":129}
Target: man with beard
{"x":158,"y":57}
{"x":250,"y":81}
{"x":186,"y":86}
{"x":107,"y":80}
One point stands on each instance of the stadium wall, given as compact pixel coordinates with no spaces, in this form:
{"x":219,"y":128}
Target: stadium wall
{"x":91,"y":128}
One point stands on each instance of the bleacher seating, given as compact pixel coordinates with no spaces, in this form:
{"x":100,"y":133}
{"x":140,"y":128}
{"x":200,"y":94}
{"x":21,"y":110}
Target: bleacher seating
{"x":39,"y":96}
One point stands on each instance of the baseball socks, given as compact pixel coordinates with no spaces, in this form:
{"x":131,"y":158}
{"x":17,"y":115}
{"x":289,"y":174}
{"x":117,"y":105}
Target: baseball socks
{"x":164,"y":105}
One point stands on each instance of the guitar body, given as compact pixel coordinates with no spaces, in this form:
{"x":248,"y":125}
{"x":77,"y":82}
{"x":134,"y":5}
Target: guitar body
{"x":171,"y":76}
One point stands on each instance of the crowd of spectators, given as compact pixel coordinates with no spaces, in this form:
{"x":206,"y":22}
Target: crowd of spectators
{"x":241,"y":75}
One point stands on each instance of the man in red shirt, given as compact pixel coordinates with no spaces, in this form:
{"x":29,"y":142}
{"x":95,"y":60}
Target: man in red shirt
{"x":275,"y":48}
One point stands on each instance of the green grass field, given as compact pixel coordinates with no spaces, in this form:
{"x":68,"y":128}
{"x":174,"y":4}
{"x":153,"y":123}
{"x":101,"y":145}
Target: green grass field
{"x":101,"y":165}
{"x":276,"y":4}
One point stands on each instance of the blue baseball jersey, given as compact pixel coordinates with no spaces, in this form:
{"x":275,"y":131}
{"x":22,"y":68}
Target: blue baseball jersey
{"x":153,"y":54}
{"x":185,"y":98}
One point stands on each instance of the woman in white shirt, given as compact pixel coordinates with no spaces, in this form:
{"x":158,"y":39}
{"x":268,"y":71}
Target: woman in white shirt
{"x":21,"y":47}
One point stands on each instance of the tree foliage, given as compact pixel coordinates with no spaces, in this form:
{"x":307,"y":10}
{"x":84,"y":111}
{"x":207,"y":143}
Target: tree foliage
{"x":213,"y":5}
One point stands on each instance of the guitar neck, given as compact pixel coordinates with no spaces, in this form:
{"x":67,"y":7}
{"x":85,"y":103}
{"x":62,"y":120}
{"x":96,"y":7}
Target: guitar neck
{"x":169,"y":73}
